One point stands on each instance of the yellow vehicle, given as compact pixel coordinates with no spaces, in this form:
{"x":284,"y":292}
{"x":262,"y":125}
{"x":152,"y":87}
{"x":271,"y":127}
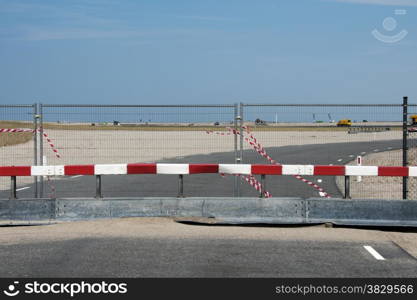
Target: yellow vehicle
{"x":344,"y":123}
{"x":413,"y":119}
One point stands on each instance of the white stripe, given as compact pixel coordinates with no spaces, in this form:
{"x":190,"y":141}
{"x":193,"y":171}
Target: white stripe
{"x":374,"y":253}
{"x":412,"y":171}
{"x":298,"y":170}
{"x":42,"y":170}
{"x":235,"y":169}
{"x":115,"y":169}
{"x":59,"y":170}
{"x":361,"y":170}
{"x":172,"y":169}
{"x":23,"y":188}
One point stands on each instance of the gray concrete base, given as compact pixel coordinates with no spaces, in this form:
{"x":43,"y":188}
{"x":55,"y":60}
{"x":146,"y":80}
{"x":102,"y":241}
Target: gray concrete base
{"x":223,"y":210}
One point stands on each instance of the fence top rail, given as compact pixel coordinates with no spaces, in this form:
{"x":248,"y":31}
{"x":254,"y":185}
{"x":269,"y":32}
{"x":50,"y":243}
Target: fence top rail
{"x":201,"y":105}
{"x":232,"y":169}
{"x":17,"y":105}
{"x":326,"y":105}
{"x":139,"y":106}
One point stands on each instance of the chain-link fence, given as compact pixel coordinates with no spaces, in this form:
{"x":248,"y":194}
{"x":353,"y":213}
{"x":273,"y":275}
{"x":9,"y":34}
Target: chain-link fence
{"x":104,"y":134}
{"x":316,"y":134}
{"x":412,"y":149}
{"x":327,"y":135}
{"x":17,"y":141}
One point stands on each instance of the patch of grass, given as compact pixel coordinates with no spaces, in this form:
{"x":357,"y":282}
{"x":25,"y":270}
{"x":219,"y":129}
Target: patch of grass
{"x":14,"y":138}
{"x":15,"y":124}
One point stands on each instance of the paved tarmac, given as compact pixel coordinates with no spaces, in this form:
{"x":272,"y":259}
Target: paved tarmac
{"x":214,"y":185}
{"x":161,"y":247}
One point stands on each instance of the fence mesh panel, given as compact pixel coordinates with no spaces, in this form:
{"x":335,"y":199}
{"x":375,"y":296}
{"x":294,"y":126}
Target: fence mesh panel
{"x":308,"y":134}
{"x":412,"y":149}
{"x":134,"y":134}
{"x":16,"y":148}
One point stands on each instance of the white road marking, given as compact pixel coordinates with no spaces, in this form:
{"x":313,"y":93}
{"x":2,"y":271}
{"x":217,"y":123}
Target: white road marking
{"x":322,"y":194}
{"x":374,"y":253}
{"x":351,"y":155}
{"x":389,"y":148}
{"x":376,"y":150}
{"x":319,"y":180}
{"x":76,"y":176}
{"x":23,"y":188}
{"x":363,"y":153}
{"x":339,"y":159}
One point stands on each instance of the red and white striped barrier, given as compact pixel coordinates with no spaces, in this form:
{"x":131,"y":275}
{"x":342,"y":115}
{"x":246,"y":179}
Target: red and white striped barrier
{"x":231,"y":169}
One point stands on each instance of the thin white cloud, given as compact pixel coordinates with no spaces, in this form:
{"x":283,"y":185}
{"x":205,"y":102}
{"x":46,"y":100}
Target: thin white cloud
{"x":381,"y":2}
{"x":45,"y":33}
{"x":206,"y":18}
{"x":77,"y":34}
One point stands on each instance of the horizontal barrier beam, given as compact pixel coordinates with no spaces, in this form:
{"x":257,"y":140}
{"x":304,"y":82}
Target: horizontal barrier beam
{"x":181,"y":169}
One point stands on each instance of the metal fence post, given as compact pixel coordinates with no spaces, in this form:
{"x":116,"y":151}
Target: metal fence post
{"x":236,"y":185}
{"x":263,"y":186}
{"x":13,"y":188}
{"x":405,"y":146}
{"x":35,"y":147}
{"x":41,"y":148}
{"x":240,"y":158}
{"x":180,"y":186}
{"x":98,"y":187}
{"x":347,"y":187}
{"x":241,"y":131}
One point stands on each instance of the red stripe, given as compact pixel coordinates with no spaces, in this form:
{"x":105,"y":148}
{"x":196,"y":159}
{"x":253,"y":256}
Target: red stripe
{"x":79,"y":170}
{"x":267,"y":169}
{"x":203,"y":168}
{"x":15,"y":171}
{"x":141,"y":168}
{"x":329,"y":170}
{"x":392,"y":171}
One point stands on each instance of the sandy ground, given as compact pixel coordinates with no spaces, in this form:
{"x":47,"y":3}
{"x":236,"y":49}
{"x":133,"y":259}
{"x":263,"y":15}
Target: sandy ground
{"x":372,"y":187}
{"x":167,"y":228}
{"x":91,"y":147}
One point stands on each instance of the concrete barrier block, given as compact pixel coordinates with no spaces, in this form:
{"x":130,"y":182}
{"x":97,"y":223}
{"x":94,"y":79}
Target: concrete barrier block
{"x":76,"y":209}
{"x":366,"y":212}
{"x":285,"y":209}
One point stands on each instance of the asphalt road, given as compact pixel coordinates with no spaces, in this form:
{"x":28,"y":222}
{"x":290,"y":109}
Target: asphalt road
{"x":164,"y":248}
{"x":215,"y":185}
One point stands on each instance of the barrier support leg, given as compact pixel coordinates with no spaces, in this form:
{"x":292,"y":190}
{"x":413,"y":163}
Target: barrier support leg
{"x":347,"y":187}
{"x":13,"y":194}
{"x":181,"y":186}
{"x":263,"y":186}
{"x":98,"y":187}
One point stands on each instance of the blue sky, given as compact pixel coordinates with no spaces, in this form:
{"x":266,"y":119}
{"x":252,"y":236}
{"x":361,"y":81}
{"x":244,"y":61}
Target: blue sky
{"x":206,"y":51}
